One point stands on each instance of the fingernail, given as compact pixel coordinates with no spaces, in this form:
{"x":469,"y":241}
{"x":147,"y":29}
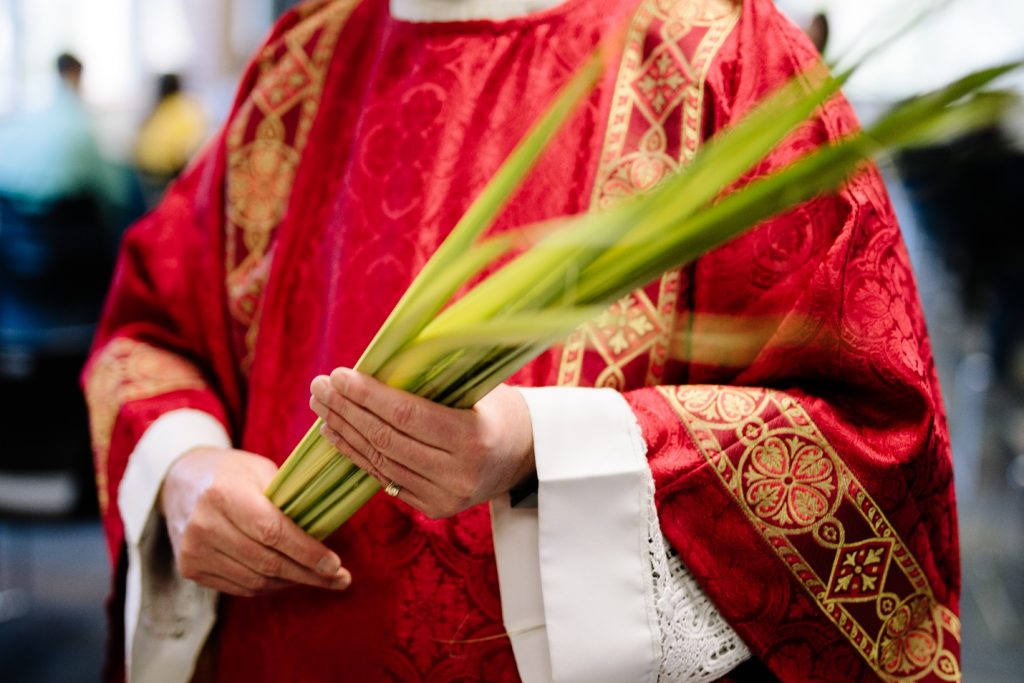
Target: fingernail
{"x":328,"y":564}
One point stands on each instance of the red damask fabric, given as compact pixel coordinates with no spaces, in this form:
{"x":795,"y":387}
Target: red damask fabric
{"x":802,"y":467}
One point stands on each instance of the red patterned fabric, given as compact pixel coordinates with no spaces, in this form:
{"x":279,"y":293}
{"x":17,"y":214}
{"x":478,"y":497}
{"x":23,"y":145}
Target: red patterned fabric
{"x":802,"y":468}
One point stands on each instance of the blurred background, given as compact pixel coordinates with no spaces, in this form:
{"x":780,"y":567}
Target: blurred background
{"x":141,"y":85}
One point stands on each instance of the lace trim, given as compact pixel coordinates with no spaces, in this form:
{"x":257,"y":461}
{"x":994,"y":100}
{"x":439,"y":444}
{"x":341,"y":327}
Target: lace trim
{"x":697,"y":644}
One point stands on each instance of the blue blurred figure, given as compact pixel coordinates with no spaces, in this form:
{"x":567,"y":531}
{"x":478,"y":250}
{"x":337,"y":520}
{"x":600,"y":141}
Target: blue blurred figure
{"x":52,"y":155}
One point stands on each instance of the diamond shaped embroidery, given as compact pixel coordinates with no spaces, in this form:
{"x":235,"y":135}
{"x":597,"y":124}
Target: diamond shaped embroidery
{"x":860,"y":570}
{"x":662,"y":82}
{"x":280,"y":88}
{"x":631,"y":324}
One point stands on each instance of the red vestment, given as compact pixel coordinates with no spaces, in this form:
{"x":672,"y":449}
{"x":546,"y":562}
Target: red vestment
{"x":805,"y":479}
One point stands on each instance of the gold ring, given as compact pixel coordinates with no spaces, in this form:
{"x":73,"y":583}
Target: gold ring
{"x":393,"y":489}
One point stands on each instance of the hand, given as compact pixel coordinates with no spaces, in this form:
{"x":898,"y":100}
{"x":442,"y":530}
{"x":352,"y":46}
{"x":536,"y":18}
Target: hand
{"x":226,"y":533}
{"x":445,"y":459}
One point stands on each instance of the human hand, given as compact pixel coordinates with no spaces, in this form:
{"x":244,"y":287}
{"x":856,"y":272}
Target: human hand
{"x":227,"y":535}
{"x":444,"y":459}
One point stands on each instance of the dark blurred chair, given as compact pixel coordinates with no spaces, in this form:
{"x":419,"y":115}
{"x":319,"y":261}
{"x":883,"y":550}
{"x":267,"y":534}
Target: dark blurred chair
{"x":54,"y":270}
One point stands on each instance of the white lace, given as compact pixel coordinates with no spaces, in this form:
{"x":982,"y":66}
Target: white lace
{"x":696,"y":642}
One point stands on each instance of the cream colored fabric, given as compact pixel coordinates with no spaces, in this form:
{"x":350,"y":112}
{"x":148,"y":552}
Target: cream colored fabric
{"x":590,"y":589}
{"x":167,"y":618}
{"x":465,"y":10}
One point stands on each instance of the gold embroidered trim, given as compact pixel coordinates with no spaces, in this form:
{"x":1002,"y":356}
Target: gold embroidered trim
{"x":265,"y":142}
{"x":661,"y":88}
{"x":815,"y":514}
{"x":127,"y":370}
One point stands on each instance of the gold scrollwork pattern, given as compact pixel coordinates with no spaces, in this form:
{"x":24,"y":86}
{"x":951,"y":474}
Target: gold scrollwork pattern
{"x":265,"y":141}
{"x":812,"y":510}
{"x":128,"y":370}
{"x":654,"y":129}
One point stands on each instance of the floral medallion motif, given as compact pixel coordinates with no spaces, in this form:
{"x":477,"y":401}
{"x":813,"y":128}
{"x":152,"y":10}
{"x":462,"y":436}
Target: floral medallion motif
{"x":789,"y":482}
{"x":910,"y":639}
{"x":810,"y":507}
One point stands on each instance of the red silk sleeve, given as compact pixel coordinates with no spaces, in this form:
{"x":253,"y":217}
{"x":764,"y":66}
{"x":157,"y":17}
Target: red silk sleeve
{"x":152,"y":354}
{"x":164,"y":341}
{"x":802,"y":468}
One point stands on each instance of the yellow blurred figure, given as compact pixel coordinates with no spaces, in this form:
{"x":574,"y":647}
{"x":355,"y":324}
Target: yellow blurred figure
{"x":173,"y":132}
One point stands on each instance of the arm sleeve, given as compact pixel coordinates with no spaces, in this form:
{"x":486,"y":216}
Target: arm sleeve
{"x":156,"y":386}
{"x":799,"y":450}
{"x":164,"y":376}
{"x":798,"y":444}
{"x":153,"y":352}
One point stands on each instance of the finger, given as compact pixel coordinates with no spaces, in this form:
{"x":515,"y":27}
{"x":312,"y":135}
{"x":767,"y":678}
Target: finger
{"x":424,"y":495}
{"x":253,"y":558}
{"x":426,"y":421}
{"x":376,"y":440}
{"x":372,"y":462}
{"x":260,"y":520}
{"x":230,"y":569}
{"x":409,"y":496}
{"x":223,"y":585}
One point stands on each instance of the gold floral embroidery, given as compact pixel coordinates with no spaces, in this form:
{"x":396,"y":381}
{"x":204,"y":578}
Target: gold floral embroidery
{"x":265,"y":142}
{"x":789,"y":483}
{"x":127,"y":370}
{"x":799,"y":494}
{"x":654,"y":128}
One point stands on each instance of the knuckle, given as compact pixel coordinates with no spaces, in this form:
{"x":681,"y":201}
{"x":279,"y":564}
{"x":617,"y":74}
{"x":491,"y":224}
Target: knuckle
{"x":269,"y":531}
{"x":405,"y":414}
{"x":482,"y":442}
{"x":376,"y":474}
{"x":257,"y":584}
{"x":270,"y":566}
{"x":376,"y":462}
{"x":381,"y":437}
{"x":198,"y":526}
{"x":212,"y":497}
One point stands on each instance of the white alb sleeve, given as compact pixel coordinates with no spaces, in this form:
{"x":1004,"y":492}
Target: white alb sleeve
{"x":590,"y":589}
{"x":167,"y":617}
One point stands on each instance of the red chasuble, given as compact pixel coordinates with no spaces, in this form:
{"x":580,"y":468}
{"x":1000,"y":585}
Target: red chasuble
{"x":784,"y":383}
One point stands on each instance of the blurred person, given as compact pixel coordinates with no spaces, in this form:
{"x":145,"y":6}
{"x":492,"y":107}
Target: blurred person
{"x":52,"y":155}
{"x":811,"y":22}
{"x":171,"y":133}
{"x":788,"y":516}
{"x":818,"y":31}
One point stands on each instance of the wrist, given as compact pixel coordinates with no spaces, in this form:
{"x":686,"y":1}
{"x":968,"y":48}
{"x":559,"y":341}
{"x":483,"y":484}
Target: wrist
{"x":526,"y":472}
{"x":184,"y":472}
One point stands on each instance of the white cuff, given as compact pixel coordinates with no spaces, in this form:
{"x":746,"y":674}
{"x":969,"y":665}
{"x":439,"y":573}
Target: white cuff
{"x":466,"y":10}
{"x":594,"y":576}
{"x":167,"y":618}
{"x":590,"y":589}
